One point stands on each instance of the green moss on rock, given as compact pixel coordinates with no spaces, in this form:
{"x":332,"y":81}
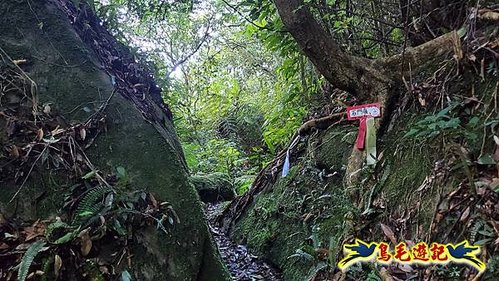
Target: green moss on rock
{"x":213,"y":187}
{"x":280,"y":220}
{"x":69,"y":78}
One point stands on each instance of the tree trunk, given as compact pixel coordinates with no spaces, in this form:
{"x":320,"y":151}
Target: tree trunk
{"x":367,"y":80}
{"x":361,"y":77}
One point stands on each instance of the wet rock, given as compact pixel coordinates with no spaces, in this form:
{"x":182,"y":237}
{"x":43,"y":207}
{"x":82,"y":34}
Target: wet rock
{"x":242,"y":265}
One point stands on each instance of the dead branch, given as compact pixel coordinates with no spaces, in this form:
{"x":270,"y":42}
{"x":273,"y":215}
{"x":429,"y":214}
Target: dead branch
{"x":319,"y":123}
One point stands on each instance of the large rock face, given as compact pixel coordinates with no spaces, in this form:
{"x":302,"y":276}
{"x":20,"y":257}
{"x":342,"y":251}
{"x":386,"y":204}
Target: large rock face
{"x":73,"y":81}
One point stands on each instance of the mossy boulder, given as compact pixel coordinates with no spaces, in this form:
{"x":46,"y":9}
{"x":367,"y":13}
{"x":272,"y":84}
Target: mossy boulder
{"x":70,"y":77}
{"x":213,"y":187}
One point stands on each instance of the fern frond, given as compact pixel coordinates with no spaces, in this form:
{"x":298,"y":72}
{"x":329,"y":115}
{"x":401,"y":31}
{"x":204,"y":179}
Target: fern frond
{"x":28,"y":258}
{"x":474,"y":230}
{"x":227,"y":126}
{"x":91,"y":203}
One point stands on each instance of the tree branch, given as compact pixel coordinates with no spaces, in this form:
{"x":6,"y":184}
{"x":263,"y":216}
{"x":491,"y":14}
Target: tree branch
{"x":243,"y":16}
{"x":414,"y":58}
{"x":194,"y":51}
{"x":361,"y":77}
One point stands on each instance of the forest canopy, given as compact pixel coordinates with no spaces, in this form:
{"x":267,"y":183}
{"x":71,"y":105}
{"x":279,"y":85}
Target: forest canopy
{"x":247,"y":78}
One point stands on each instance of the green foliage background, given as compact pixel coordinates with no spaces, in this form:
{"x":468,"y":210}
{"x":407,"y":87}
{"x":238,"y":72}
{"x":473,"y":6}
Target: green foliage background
{"x":237,"y":85}
{"x":236,"y":82}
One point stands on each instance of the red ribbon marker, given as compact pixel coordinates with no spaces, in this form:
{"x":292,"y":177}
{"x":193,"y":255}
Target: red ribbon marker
{"x":361,"y":136}
{"x":362,"y":112}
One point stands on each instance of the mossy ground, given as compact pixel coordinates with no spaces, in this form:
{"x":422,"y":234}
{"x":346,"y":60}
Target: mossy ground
{"x":281,"y":219}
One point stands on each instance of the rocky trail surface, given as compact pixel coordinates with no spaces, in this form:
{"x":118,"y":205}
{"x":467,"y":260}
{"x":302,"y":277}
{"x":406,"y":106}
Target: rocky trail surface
{"x":243,"y":265}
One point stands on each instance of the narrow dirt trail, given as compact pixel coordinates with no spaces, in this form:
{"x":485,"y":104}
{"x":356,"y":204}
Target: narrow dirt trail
{"x":242,"y":265}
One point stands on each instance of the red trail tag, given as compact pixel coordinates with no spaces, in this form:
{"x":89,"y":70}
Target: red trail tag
{"x":362,"y":112}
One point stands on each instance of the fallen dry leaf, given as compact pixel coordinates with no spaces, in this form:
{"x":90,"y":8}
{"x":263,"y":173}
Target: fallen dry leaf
{"x":83,"y":133}
{"x":322,"y":253}
{"x":3,"y":246}
{"x":405,"y":268}
{"x":57,"y":265}
{"x":495,"y":224}
{"x":488,"y":14}
{"x":39,"y":135}
{"x":385,"y":275}
{"x":37,"y":229}
{"x":86,"y":242}
{"x":388,"y":233}
{"x":153,"y":200}
{"x":14,"y":151}
{"x":57,"y":131}
{"x":465,"y":214}
{"x":339,"y":276}
{"x":494,"y":183}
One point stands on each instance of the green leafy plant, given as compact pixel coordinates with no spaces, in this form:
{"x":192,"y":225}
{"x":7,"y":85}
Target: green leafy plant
{"x":93,"y":201}
{"x":101,"y":204}
{"x":454,"y":121}
{"x":434,"y":125}
{"x":60,"y":232}
{"x":28,"y":258}
{"x":373,"y":276}
{"x":243,"y":183}
{"x":322,"y":259}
